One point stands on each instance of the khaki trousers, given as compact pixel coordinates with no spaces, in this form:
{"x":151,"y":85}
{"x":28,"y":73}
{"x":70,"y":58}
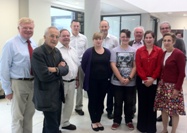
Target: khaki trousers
{"x":22,"y":108}
{"x":67,"y":108}
{"x":79,"y":96}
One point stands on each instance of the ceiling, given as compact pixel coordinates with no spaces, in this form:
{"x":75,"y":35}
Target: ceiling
{"x":154,"y":7}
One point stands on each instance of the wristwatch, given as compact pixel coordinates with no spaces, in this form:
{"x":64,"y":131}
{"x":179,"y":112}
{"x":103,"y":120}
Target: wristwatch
{"x":129,"y":78}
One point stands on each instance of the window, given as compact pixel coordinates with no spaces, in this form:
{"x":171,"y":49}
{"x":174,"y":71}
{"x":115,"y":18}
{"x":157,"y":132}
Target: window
{"x":61,"y":18}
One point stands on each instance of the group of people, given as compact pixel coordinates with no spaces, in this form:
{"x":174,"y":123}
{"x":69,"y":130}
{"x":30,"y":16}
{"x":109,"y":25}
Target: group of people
{"x":65,"y":63}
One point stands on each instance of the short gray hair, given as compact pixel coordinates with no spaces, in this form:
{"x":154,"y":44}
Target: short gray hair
{"x":165,"y":22}
{"x":139,"y":27}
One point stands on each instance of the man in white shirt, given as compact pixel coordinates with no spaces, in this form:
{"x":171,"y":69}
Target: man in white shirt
{"x":79,"y":42}
{"x":110,"y":42}
{"x":69,"y":54}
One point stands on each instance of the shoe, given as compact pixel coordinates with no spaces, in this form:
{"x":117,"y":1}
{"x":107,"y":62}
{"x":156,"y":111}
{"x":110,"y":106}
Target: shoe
{"x":2,"y":96}
{"x":164,"y":132}
{"x":60,"y":131}
{"x":170,"y":122}
{"x":115,"y":126}
{"x":80,"y":112}
{"x":130,"y":126}
{"x":70,"y":127}
{"x":95,"y":129}
{"x":110,"y":116}
{"x":100,"y":126}
{"x":159,"y":119}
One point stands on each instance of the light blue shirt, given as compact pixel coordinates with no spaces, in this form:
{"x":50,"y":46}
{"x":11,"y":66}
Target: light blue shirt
{"x":15,"y":61}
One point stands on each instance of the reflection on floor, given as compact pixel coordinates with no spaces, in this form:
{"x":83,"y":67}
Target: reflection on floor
{"x":83,"y":122}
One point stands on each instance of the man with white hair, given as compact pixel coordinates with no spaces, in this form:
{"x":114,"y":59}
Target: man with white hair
{"x":137,"y":43}
{"x":138,"y":37}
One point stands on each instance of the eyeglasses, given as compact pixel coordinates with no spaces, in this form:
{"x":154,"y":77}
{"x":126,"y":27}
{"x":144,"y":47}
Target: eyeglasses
{"x":166,"y":28}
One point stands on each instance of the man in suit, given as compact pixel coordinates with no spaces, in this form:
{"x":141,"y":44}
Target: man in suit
{"x":48,"y":67}
{"x":138,"y":37}
{"x":165,"y":27}
{"x":137,"y":43}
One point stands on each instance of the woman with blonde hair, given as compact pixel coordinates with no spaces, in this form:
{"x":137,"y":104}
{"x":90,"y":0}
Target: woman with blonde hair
{"x":96,"y":66}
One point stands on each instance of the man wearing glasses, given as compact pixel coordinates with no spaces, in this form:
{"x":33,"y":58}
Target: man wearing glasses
{"x":165,"y":27}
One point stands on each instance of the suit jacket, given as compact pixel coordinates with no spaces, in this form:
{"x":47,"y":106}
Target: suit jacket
{"x":178,"y":44}
{"x":131,"y":42}
{"x":48,"y":87}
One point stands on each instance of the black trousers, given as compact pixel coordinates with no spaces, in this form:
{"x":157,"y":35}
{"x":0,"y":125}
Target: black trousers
{"x":146,"y":114}
{"x":96,"y":94}
{"x":123,"y":95}
{"x":52,"y":120}
{"x":110,"y":99}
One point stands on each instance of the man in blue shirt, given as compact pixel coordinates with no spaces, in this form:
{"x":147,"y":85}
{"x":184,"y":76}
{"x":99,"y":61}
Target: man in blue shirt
{"x":17,"y":78}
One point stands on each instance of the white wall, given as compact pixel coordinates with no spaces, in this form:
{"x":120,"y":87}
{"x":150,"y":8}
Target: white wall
{"x":39,"y":11}
{"x":9,"y":18}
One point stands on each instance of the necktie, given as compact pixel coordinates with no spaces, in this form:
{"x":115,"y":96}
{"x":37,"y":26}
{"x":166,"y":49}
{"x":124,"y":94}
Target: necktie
{"x":30,"y":52}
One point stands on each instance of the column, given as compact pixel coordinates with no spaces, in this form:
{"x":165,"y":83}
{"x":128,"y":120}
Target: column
{"x":23,"y":8}
{"x":91,"y":19}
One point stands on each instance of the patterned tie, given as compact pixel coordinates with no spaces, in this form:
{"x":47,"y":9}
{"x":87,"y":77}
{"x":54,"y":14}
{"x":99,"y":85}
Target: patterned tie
{"x":30,"y":52}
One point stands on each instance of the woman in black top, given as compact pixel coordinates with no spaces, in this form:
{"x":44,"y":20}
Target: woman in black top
{"x":96,"y":66}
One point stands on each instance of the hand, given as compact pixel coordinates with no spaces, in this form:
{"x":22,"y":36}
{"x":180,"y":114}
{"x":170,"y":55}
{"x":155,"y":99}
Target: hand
{"x":149,"y":82}
{"x":9,"y":96}
{"x":62,"y":63}
{"x":126,"y":81}
{"x":52,"y":69}
{"x":175,"y":93}
{"x":77,"y":84}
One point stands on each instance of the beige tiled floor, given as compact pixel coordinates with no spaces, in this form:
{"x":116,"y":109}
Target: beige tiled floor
{"x":83,"y":122}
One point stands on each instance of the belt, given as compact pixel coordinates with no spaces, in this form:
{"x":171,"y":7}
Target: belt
{"x":71,"y":80}
{"x":30,"y":79}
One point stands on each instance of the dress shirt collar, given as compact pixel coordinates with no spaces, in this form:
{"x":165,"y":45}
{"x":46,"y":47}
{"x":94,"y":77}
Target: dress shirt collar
{"x":141,"y":42}
{"x":23,"y":40}
{"x":60,"y":45}
{"x":108,"y":36}
{"x":49,"y":49}
{"x":74,"y":35}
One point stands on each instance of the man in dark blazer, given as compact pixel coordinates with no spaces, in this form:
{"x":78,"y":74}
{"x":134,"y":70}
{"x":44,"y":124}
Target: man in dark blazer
{"x":137,"y":43}
{"x":48,"y":67}
{"x":165,"y":27}
{"x":138,"y":37}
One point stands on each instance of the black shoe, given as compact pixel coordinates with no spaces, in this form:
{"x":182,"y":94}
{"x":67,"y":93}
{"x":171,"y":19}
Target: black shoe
{"x":170,"y":122}
{"x":110,"y":116}
{"x":80,"y":112}
{"x":2,"y":96}
{"x":159,"y":118}
{"x":101,"y":128}
{"x":60,"y":131}
{"x":95,"y":129}
{"x":70,"y":127}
